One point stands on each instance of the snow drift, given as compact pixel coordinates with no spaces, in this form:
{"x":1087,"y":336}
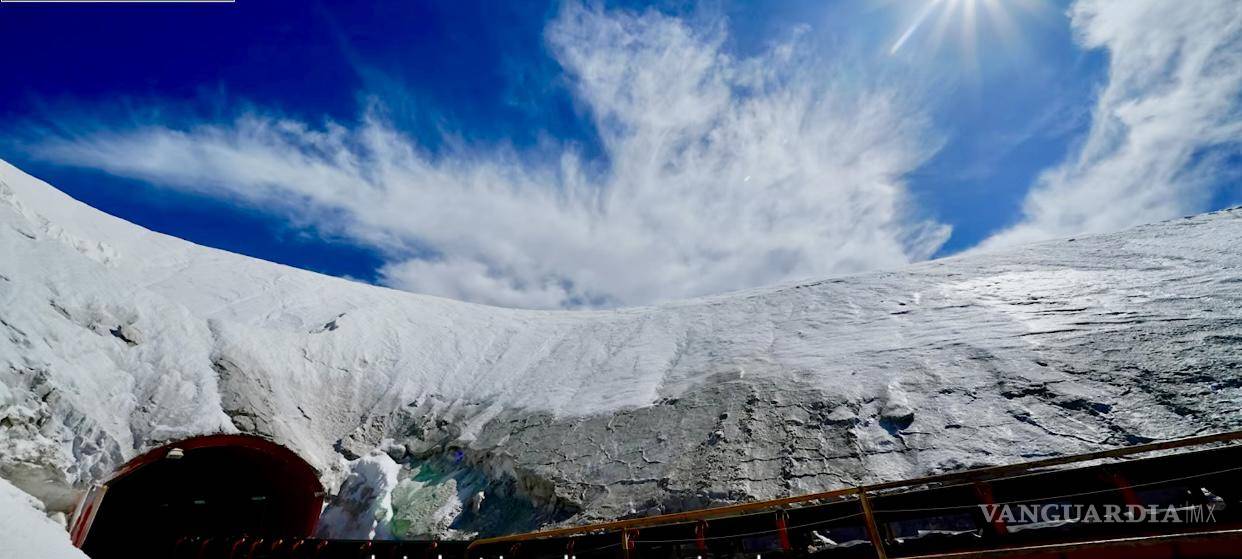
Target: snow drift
{"x":428,"y":415}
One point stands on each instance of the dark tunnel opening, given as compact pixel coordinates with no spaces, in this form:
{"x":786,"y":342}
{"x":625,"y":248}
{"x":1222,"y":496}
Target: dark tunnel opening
{"x":220,"y":485}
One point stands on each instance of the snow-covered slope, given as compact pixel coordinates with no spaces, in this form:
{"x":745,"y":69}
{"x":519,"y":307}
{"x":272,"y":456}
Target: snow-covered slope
{"x":26,"y":532}
{"x":114,"y":339}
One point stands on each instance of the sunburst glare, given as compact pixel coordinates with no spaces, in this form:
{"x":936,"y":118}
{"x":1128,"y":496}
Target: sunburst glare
{"x":970,"y":17}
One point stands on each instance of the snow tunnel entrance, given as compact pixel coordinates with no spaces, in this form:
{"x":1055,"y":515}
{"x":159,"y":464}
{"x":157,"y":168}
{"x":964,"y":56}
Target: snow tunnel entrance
{"x":219,"y":485}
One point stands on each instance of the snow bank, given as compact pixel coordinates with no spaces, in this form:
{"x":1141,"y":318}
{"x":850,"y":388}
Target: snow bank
{"x":27,"y":532}
{"x":114,"y":339}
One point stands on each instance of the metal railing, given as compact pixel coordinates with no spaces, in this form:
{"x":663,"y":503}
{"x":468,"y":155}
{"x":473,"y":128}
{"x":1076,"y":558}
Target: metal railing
{"x":864,"y":494}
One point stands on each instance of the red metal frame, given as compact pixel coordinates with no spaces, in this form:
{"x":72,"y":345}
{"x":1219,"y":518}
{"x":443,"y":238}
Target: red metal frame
{"x":782,"y":530}
{"x":84,"y":516}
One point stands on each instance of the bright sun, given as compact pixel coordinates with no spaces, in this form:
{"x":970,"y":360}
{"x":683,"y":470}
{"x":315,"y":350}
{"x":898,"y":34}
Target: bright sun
{"x":967,"y":14}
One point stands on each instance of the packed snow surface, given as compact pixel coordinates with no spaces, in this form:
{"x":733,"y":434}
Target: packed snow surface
{"x":114,"y":339}
{"x":27,"y":532}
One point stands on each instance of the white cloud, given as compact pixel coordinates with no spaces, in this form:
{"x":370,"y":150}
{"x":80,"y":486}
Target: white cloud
{"x":722,"y":173}
{"x":1170,"y":110}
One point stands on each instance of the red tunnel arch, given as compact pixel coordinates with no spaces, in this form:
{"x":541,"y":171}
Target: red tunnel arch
{"x":213,"y":485}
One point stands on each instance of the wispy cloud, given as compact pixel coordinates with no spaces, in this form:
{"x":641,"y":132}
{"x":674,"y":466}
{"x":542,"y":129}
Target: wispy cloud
{"x":722,"y":173}
{"x":1168,"y":115}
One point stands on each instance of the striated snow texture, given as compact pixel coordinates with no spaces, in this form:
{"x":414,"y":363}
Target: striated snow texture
{"x":114,"y":339}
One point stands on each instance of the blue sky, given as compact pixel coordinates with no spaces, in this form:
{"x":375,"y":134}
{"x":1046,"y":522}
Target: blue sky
{"x":565,"y":155}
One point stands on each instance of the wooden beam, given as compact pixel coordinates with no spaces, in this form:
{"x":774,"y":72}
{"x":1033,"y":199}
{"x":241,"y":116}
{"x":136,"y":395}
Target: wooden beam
{"x":873,"y":531}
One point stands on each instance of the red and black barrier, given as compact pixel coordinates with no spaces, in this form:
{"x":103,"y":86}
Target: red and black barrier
{"x":1000,"y":511}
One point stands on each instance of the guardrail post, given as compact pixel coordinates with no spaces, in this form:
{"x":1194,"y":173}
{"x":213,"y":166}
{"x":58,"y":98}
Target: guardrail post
{"x":872,"y":529}
{"x":983,"y":491}
{"x":782,"y":530}
{"x":626,"y":544}
{"x":1128,"y":495}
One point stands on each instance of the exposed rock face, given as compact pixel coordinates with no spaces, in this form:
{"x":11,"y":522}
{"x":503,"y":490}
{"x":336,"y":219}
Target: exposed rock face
{"x":114,"y":339}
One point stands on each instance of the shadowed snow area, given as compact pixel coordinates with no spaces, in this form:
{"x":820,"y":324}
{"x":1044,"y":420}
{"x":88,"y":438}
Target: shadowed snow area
{"x":431,"y":416}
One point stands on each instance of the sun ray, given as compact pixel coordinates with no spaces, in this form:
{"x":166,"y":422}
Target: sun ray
{"x":943,"y":20}
{"x":969,"y":34}
{"x":918,"y":21}
{"x":1002,"y":23}
{"x":972,"y":21}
